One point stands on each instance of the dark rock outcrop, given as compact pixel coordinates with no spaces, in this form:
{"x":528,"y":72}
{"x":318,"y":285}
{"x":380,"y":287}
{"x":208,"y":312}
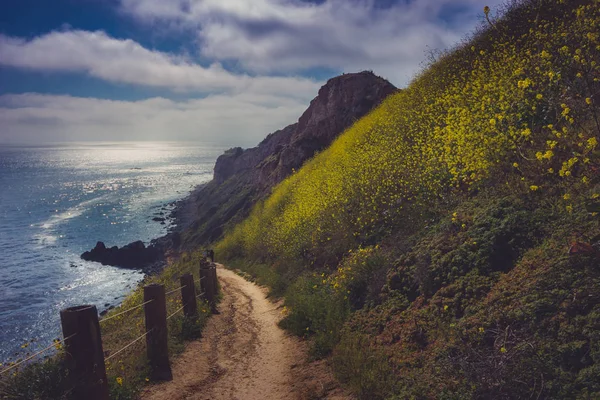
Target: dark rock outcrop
{"x":133,"y":255}
{"x":242,"y":177}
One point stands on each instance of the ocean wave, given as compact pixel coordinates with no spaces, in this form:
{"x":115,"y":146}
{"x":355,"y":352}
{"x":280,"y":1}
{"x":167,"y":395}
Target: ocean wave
{"x":48,"y":237}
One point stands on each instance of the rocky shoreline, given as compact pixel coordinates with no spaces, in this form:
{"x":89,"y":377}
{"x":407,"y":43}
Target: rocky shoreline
{"x":151,"y":259}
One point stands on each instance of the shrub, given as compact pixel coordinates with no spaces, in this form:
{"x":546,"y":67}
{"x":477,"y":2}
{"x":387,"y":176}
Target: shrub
{"x":362,"y":367}
{"x":47,"y":379}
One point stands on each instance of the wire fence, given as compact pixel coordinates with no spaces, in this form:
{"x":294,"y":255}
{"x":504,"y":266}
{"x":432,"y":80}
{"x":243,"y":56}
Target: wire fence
{"x":178,"y":289}
{"x":175,"y":290}
{"x":178,"y":310}
{"x":125,"y":312}
{"x":128,"y":345}
{"x":84,"y":351}
{"x":52,"y":346}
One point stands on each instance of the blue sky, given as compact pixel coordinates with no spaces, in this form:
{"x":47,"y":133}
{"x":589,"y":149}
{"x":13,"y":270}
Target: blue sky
{"x":224,"y":71}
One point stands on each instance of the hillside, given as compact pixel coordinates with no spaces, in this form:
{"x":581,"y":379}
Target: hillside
{"x":242,"y":177}
{"x":447,"y":245}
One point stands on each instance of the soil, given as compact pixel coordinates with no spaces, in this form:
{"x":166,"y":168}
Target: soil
{"x":244,"y":355}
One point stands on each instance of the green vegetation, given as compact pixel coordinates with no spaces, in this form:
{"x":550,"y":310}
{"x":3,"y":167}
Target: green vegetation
{"x":446,"y":246}
{"x":127,"y":372}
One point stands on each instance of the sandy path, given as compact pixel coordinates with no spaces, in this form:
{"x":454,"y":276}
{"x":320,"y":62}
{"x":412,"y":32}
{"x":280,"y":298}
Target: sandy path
{"x":244,"y":355}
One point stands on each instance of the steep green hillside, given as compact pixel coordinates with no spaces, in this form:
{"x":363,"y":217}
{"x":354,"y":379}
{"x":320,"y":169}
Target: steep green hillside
{"x":447,"y":245}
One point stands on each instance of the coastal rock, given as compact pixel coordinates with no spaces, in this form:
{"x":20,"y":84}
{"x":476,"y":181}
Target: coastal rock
{"x":227,"y":164}
{"x":133,"y":255}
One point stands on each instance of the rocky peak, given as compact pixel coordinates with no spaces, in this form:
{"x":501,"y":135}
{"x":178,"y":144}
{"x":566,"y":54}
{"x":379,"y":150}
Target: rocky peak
{"x":339,"y":103}
{"x":343,"y":96}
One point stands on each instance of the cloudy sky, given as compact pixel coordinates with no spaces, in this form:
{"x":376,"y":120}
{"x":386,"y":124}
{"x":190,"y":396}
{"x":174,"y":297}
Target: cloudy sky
{"x":221,"y":71}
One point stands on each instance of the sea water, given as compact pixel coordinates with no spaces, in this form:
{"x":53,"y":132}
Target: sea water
{"x":57,"y":202}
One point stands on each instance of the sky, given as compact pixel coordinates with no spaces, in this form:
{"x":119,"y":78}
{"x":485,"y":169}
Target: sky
{"x":226,"y":72}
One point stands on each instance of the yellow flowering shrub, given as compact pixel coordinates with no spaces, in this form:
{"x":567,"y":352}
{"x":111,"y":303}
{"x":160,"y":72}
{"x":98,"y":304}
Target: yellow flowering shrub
{"x":517,"y":99}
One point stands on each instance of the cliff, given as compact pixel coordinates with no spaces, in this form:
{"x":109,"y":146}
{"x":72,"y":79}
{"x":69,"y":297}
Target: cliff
{"x":242,"y":177}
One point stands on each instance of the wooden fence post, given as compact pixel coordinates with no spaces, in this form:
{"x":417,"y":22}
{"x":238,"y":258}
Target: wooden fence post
{"x":83,"y":352}
{"x":156,"y":340}
{"x":188,"y":295}
{"x":212,"y":272}
{"x":214,"y":280}
{"x":206,"y":285}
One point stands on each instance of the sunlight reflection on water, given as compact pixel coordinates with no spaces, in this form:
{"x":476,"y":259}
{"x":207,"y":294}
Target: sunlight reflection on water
{"x":57,"y":201}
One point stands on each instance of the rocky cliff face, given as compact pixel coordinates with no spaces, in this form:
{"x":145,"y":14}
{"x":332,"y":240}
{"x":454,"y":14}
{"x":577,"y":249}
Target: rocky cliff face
{"x":242,"y":177}
{"x":340,"y":102}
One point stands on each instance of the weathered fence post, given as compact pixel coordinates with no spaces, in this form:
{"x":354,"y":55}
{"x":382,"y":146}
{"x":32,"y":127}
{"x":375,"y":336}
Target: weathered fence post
{"x":213,"y":271}
{"x":188,"y":295}
{"x":83,"y":352}
{"x":156,"y":339}
{"x":206,"y":285}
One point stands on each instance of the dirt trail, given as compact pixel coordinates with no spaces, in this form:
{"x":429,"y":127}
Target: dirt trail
{"x":244,"y":355}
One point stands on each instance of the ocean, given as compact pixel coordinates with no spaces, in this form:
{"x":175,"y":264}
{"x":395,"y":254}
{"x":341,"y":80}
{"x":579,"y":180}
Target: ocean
{"x":57,"y":202}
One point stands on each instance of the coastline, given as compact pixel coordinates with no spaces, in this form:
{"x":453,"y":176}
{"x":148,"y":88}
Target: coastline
{"x":152,"y":259}
{"x":181,"y":217}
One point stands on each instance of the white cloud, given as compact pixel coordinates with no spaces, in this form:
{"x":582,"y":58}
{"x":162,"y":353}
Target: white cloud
{"x":290,"y":36}
{"x":274,"y":40}
{"x":240,"y":119}
{"x":125,"y":61}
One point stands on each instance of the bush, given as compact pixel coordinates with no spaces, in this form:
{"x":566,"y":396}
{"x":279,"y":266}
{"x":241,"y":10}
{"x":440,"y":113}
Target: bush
{"x":364,"y":368}
{"x":315,"y":309}
{"x":47,"y":379}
